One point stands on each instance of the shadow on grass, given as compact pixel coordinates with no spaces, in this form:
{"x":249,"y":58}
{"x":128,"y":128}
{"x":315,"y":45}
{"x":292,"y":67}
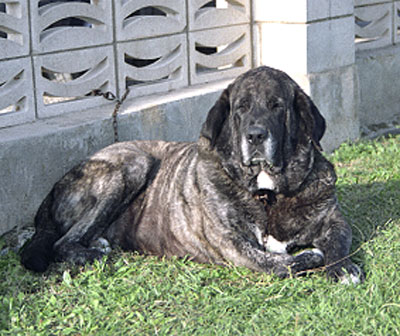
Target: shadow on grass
{"x":369,"y":208}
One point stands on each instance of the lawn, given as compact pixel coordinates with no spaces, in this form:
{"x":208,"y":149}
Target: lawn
{"x":135,"y":295}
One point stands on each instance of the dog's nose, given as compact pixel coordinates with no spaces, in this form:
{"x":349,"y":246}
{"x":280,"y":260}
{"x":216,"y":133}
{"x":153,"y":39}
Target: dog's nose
{"x":256,"y":135}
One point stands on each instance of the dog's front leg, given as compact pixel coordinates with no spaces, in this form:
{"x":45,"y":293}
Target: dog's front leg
{"x":250,"y":254}
{"x":335,"y":242}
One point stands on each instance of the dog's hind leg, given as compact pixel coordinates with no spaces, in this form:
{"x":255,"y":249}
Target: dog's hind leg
{"x":84,"y":203}
{"x":37,"y":253}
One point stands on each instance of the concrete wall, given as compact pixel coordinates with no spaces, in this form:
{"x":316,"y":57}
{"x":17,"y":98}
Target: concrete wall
{"x":53,"y":54}
{"x":378,"y":74}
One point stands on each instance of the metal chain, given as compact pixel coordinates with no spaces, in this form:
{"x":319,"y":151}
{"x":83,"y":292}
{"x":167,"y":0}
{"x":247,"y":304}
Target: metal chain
{"x":112,"y":97}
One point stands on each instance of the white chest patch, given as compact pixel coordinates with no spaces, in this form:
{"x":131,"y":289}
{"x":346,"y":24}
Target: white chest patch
{"x":264,"y":181}
{"x":273,"y":245}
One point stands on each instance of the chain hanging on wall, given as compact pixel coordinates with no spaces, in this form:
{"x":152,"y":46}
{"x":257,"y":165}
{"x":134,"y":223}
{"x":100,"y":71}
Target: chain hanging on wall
{"x":112,"y":97}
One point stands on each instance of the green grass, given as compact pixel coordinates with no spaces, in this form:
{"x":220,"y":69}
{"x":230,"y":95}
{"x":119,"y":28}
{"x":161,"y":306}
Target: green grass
{"x":136,"y":295}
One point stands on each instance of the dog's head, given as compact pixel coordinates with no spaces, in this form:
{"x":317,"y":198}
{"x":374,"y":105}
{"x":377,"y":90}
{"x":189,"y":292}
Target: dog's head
{"x":264,"y":128}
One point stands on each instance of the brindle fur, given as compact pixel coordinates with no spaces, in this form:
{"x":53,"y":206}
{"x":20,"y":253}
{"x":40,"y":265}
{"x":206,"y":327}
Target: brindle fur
{"x":197,"y":199}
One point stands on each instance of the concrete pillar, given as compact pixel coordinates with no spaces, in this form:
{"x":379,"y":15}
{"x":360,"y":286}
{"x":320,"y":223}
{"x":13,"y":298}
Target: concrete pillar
{"x":313,"y":41}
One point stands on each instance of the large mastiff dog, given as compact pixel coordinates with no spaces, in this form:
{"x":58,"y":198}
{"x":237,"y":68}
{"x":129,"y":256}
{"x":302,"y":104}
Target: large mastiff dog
{"x":250,"y":191}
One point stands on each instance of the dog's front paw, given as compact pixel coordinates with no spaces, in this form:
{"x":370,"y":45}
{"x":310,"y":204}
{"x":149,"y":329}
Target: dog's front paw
{"x":347,"y":273}
{"x":102,"y":245}
{"x":307,"y":261}
{"x":78,"y":254}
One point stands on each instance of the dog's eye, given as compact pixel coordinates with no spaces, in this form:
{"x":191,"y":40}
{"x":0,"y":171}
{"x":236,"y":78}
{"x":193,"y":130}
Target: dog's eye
{"x":243,"y":105}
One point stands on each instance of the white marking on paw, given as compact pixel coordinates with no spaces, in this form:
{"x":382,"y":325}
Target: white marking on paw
{"x":275,"y":246}
{"x":349,"y":279}
{"x":264,"y":181}
{"x":318,"y":251}
{"x":102,"y":245}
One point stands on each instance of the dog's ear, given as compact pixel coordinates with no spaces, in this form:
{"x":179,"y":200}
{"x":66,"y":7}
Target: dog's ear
{"x":312,"y":123}
{"x":216,"y":118}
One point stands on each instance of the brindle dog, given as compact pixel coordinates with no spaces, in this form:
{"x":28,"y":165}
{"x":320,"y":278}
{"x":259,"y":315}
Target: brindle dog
{"x":203,"y":199}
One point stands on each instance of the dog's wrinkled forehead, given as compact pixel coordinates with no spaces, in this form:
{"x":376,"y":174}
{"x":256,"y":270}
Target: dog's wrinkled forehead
{"x":262,"y":86}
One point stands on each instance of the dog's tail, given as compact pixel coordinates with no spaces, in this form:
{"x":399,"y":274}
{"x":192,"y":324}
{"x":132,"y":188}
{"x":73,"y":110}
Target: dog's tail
{"x":37,"y":254}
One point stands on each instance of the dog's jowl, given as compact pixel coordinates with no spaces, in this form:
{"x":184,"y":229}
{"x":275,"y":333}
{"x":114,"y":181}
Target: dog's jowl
{"x":252,"y":189}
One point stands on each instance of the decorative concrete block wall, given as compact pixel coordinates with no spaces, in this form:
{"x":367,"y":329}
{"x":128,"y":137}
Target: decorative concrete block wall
{"x":396,"y":20}
{"x":16,"y":91}
{"x":151,"y":46}
{"x":16,"y":81}
{"x":377,"y":32}
{"x":15,"y":37}
{"x":64,"y":25}
{"x":376,"y":23}
{"x":72,"y":48}
{"x":65,"y":80}
{"x":205,"y":14}
{"x":219,"y":52}
{"x":143,"y":18}
{"x":153,"y":65}
{"x":219,"y":39}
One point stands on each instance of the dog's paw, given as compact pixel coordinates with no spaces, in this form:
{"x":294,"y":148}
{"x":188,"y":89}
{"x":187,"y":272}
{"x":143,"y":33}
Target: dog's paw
{"x":347,"y":274}
{"x":307,"y":261}
{"x":102,"y":245}
{"x":78,"y":254}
